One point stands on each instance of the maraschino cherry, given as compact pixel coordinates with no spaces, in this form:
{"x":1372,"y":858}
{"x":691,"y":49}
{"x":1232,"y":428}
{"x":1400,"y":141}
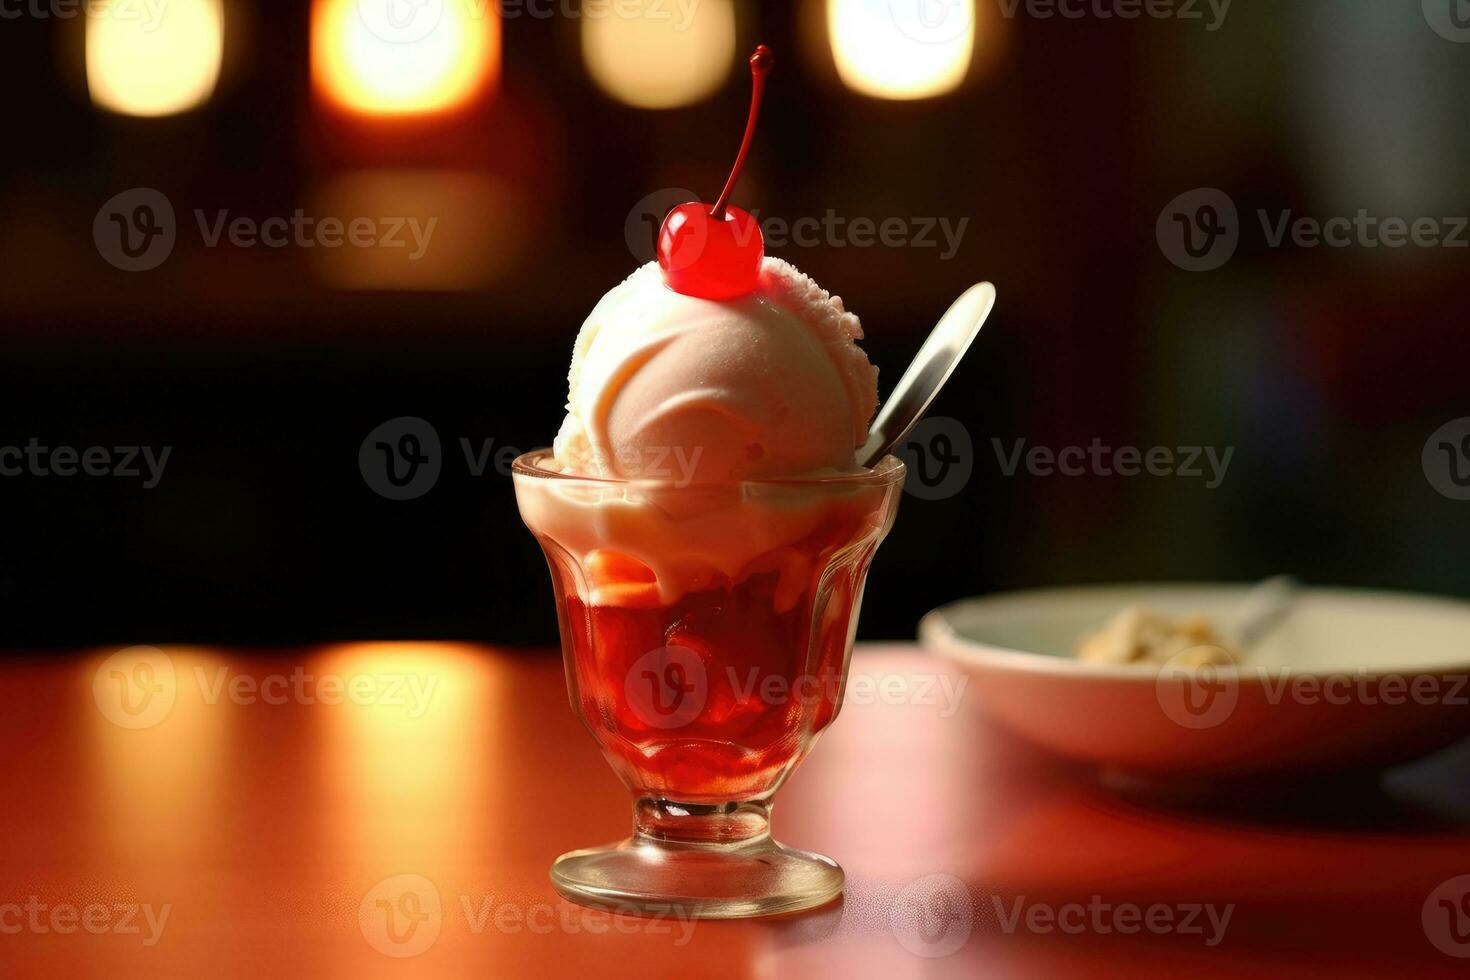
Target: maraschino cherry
{"x":715,"y":252}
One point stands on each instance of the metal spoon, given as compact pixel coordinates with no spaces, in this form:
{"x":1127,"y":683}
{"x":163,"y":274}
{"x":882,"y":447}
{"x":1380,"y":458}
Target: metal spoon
{"x":1262,"y":610}
{"x":931,"y":368}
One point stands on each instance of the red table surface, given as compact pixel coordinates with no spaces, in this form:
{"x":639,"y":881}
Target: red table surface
{"x":260,"y":829}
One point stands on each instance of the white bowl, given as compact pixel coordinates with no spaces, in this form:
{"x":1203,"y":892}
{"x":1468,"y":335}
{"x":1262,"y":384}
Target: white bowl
{"x":1350,"y":680}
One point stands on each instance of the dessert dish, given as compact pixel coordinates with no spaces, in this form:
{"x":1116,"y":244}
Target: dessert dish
{"x":709,"y":531}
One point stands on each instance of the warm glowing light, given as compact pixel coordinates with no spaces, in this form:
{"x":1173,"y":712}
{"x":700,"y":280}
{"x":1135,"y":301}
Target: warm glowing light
{"x":658,"y":55}
{"x":154,"y":59}
{"x":901,"y":49}
{"x":408,"y":760}
{"x":400,"y":57}
{"x":161,"y":737}
{"x":417,"y":229}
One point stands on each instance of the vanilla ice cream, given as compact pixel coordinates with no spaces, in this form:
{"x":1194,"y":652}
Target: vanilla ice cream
{"x":674,"y":387}
{"x":679,"y":408}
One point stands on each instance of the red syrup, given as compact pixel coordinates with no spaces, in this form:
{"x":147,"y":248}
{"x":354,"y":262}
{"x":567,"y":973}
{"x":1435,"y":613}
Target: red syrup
{"x":717,"y":695}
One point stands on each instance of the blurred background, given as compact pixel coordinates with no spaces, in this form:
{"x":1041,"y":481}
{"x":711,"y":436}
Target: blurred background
{"x":249,"y":234}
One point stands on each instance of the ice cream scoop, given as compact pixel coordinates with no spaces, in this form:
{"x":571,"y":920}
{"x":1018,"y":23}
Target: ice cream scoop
{"x":680,"y":388}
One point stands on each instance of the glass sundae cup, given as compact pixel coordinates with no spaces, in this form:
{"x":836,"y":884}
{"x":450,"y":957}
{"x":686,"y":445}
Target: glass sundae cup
{"x":706,"y":631}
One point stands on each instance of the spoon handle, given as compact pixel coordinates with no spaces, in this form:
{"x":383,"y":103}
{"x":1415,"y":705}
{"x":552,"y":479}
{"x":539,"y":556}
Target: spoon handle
{"x":931,"y":368}
{"x":1265,"y":606}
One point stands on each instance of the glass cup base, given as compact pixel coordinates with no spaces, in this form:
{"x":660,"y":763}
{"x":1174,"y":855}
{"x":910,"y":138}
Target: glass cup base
{"x":647,"y":876}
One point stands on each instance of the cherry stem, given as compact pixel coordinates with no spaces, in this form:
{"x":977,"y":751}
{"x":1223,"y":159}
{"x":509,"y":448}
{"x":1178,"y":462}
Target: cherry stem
{"x":760,"y":66}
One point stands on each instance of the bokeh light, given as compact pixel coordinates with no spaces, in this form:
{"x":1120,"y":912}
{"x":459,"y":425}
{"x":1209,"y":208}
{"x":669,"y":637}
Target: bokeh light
{"x":154,"y":60}
{"x":901,"y":49}
{"x":408,"y":772}
{"x":658,"y":55}
{"x":429,"y":57}
{"x":405,"y":229}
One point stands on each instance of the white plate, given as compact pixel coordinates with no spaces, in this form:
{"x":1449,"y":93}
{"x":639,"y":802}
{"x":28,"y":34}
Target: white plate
{"x":1350,"y":680}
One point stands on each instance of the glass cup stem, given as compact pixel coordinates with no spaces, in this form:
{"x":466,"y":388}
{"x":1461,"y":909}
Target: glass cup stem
{"x":721,"y":824}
